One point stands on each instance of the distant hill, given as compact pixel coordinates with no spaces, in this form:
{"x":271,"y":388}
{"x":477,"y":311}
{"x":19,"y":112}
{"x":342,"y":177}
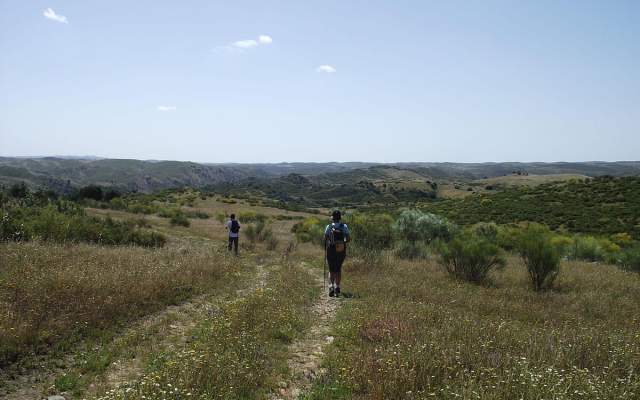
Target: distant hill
{"x":64,"y":174}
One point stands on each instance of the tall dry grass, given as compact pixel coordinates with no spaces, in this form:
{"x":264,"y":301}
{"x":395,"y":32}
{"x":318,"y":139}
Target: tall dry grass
{"x":51,"y":295}
{"x":413,"y":332}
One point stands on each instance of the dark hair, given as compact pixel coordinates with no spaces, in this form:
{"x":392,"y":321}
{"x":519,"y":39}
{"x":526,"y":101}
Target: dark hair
{"x":336,"y":216}
{"x":232,"y":216}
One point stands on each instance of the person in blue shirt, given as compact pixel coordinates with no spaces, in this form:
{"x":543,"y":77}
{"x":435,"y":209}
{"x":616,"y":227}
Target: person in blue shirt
{"x":336,"y":237}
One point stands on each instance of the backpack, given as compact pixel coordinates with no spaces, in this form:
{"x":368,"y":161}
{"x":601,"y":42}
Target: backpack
{"x":235,"y":226}
{"x":337,"y":238}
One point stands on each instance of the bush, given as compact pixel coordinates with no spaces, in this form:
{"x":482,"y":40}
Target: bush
{"x":587,"y":248}
{"x":272,"y":243}
{"x":540,"y":256}
{"x":197,"y":214}
{"x":64,"y":222}
{"x":563,"y":244}
{"x":486,"y":230}
{"x":411,"y":250}
{"x":622,"y":239}
{"x":470,"y":257}
{"x":251,"y":216}
{"x":250,"y":233}
{"x":179,"y":219}
{"x":374,"y":232}
{"x":630,"y":259}
{"x":507,"y":237}
{"x":92,"y":192}
{"x":309,"y":230}
{"x":19,"y":190}
{"x":414,"y":226}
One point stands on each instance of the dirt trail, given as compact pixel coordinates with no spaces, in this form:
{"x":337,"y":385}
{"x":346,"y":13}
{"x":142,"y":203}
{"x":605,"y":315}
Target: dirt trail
{"x":307,"y":352}
{"x":168,"y":329}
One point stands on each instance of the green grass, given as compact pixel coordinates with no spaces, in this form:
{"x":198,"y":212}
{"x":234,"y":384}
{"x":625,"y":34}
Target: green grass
{"x":412,"y":332}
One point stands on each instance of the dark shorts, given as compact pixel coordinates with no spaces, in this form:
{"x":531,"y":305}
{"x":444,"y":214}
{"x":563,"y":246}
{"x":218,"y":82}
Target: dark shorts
{"x":335,"y":259}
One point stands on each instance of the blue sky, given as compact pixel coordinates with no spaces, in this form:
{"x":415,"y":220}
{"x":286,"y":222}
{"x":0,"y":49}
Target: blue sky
{"x":462,"y":81}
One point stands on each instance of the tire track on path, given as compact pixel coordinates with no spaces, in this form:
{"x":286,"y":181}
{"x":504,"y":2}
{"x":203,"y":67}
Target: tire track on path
{"x":307,"y":353}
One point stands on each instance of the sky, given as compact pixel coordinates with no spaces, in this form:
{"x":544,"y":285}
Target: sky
{"x":316,"y":81}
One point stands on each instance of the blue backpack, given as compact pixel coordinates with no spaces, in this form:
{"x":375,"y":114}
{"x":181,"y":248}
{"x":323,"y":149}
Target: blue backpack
{"x":235,"y":226}
{"x":337,"y":238}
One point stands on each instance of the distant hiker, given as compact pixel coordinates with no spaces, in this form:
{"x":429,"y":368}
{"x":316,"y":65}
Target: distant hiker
{"x":336,"y":236}
{"x":233,"y":226}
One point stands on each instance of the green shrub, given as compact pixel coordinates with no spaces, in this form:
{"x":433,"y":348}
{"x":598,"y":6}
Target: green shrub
{"x":622,"y":239}
{"x":587,"y":248}
{"x":65,"y":222}
{"x":272,"y":243}
{"x":309,"y":230}
{"x":414,"y":226}
{"x":374,"y":232}
{"x":250,"y":233}
{"x":197,"y":214}
{"x":470,"y":257}
{"x":630,"y":259}
{"x":411,"y":250}
{"x":540,"y":256}
{"x":507,"y":237}
{"x":19,"y":190}
{"x":179,"y":219}
{"x":251,"y":216}
{"x":486,"y":230}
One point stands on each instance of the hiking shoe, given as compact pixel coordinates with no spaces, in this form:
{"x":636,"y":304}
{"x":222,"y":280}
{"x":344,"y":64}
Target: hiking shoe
{"x":337,"y":291}
{"x":331,"y":292}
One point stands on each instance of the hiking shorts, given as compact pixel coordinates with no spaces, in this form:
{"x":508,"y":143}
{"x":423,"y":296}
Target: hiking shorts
{"x":335,"y":259}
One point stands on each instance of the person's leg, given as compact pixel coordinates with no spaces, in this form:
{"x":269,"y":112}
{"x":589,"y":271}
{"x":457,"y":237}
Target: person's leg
{"x":230,"y":242}
{"x":338,"y":272}
{"x":331,"y":260}
{"x":235,"y":244}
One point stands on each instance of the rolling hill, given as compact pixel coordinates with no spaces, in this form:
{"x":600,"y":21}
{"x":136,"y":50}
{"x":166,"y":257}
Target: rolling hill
{"x":65,"y":174}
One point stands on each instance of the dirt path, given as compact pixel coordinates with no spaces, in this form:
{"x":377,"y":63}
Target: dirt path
{"x":307,"y":353}
{"x":162,"y":331}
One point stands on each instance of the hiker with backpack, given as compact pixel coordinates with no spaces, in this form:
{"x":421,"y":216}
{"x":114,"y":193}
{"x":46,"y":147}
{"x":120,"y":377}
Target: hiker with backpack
{"x":233,"y":226}
{"x":336,"y":237}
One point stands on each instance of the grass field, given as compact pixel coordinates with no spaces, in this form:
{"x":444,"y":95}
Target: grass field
{"x":126,"y":322}
{"x":415,"y":333}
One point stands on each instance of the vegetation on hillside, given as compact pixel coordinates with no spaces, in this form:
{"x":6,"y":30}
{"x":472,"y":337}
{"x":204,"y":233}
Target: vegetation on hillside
{"x":41,"y":215}
{"x":597,"y":206}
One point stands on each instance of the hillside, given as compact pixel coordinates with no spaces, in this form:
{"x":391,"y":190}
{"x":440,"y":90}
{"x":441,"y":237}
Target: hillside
{"x":64,"y":174}
{"x":601,"y":205}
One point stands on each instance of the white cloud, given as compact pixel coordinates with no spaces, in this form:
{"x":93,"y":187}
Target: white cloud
{"x":245,"y":44}
{"x":326,"y":68}
{"x":249,"y":43}
{"x":265,"y":39}
{"x":167,"y":108}
{"x":50,"y":14}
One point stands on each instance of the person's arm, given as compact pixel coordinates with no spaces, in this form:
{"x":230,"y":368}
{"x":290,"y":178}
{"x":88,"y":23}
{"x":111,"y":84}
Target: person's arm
{"x":347,"y":234}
